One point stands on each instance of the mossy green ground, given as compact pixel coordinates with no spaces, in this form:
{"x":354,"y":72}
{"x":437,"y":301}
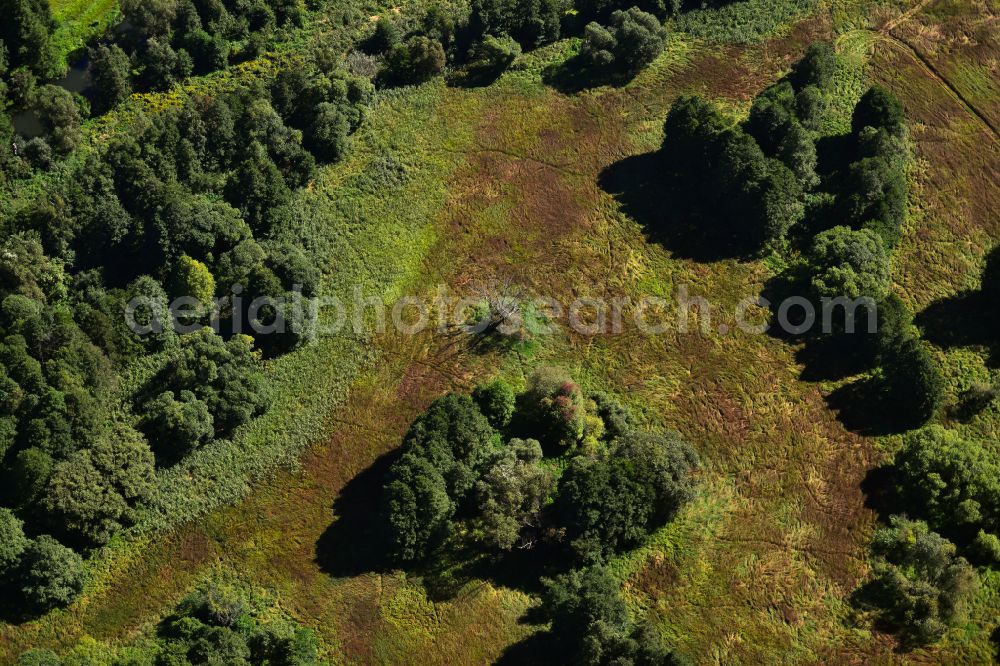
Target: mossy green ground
{"x":504,"y":180}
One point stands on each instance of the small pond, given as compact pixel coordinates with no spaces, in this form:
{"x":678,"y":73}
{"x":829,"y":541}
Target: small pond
{"x":77,"y":80}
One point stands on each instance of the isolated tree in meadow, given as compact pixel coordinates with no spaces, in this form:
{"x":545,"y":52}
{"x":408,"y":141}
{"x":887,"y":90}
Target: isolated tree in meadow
{"x":51,"y":575}
{"x":111,"y":71}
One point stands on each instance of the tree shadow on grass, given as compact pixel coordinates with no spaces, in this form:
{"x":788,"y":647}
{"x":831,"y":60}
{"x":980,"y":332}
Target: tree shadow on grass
{"x":860,"y":406}
{"x":536,"y":649}
{"x":573,"y":75}
{"x":965,"y":320}
{"x":351,"y":545}
{"x":669,"y":217}
{"x":475,"y":77}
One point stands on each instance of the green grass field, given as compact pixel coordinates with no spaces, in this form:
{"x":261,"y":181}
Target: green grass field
{"x":81,"y":21}
{"x":505,"y":180}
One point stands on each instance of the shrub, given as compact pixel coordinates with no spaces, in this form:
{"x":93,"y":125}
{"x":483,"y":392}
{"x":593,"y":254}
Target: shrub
{"x":991,"y":278}
{"x":60,"y":116}
{"x":327,"y":136}
{"x":110,"y":69}
{"x":510,"y":495}
{"x":39,"y":657}
{"x":610,"y":503}
{"x":51,"y":574}
{"x":531,"y":22}
{"x":495,"y":53}
{"x":496,"y":401}
{"x":987,"y":547}
{"x":417,"y":60}
{"x":417,"y":508}
{"x":590,"y":623}
{"x":810,"y":105}
{"x":385,"y":38}
{"x":91,"y":495}
{"x":946,"y":480}
{"x":555,"y":411}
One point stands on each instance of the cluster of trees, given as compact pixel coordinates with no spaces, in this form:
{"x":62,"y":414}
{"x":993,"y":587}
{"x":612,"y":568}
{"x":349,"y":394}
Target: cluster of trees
{"x":731,"y":192}
{"x":918,"y":585}
{"x":465,"y":464}
{"x":209,"y":387}
{"x":215,"y":625}
{"x":36,"y":574}
{"x":950,"y":487}
{"x":169,"y":40}
{"x":165,"y":41}
{"x":631,"y":40}
{"x":26,"y":38}
{"x":190,"y":202}
{"x":758,"y":184}
{"x":953,"y":484}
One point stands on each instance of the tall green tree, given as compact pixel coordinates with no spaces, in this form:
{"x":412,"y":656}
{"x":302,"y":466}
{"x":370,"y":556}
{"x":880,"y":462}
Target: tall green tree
{"x":111,"y":71}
